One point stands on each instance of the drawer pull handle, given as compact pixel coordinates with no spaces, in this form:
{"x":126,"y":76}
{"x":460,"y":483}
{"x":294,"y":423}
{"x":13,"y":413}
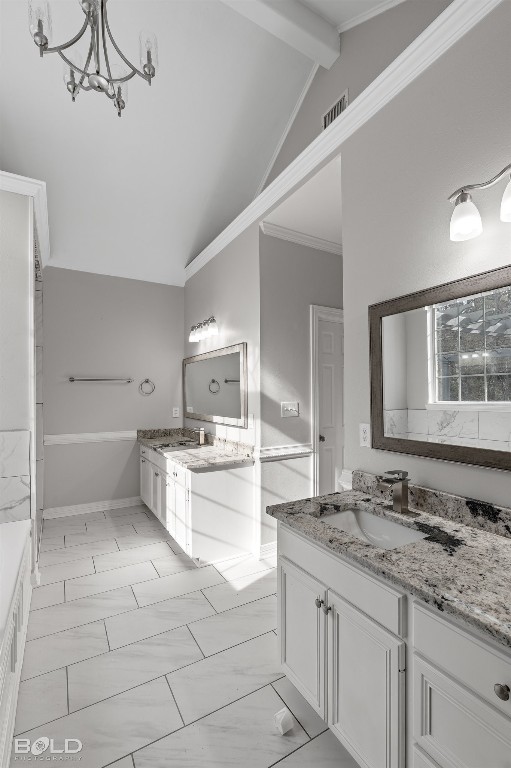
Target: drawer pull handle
{"x":502,"y":691}
{"x":326,"y":608}
{"x":319,"y":602}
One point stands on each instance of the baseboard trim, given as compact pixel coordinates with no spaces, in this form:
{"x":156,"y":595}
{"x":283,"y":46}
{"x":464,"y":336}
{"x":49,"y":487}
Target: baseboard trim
{"x":90,"y":437}
{"x":267,"y":550}
{"x":94,"y":506}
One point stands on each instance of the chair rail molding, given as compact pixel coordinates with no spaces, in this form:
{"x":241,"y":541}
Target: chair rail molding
{"x":449,"y":27}
{"x":90,"y":437}
{"x":293,"y":236}
{"x":282,"y":452}
{"x":21,"y":185}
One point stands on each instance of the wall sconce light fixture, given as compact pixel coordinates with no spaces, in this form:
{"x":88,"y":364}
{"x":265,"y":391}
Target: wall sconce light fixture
{"x":204,"y":330}
{"x":466,"y":220}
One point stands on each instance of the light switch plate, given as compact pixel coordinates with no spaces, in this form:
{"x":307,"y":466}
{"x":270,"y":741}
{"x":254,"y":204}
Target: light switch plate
{"x":175,"y":413}
{"x":365,"y":435}
{"x":289,"y":409}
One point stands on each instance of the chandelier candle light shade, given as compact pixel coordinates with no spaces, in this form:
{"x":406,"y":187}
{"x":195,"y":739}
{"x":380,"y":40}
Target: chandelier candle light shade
{"x":466,"y":220}
{"x":97,"y":74}
{"x":204,"y":330}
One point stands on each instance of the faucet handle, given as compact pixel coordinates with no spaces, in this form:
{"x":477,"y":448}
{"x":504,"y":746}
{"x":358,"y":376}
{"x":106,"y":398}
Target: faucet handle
{"x":400,"y":474}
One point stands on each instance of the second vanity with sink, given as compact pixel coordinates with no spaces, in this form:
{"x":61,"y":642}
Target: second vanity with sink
{"x":397,"y":628}
{"x":202,"y":494}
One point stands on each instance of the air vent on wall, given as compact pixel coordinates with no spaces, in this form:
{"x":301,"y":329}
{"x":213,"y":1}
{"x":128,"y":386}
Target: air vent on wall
{"x":335,"y":110}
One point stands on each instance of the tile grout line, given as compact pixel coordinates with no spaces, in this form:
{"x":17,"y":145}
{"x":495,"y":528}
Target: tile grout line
{"x":130,"y":610}
{"x":311,"y":739}
{"x":209,"y":601}
{"x":288,"y":707}
{"x":174,"y":699}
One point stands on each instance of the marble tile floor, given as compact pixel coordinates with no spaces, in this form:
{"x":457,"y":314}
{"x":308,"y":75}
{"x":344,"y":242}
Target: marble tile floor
{"x":153,"y":661}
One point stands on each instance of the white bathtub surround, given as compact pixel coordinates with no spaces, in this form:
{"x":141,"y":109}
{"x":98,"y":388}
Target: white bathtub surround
{"x":14,"y":498}
{"x":133,"y":682}
{"x":14,"y":453}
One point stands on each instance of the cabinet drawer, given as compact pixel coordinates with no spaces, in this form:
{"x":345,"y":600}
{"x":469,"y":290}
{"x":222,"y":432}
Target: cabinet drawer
{"x":155,"y":458}
{"x":470,"y":660}
{"x":379,"y":601}
{"x":455,"y":727}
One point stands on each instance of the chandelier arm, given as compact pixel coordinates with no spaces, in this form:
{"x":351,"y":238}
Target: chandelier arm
{"x":118,"y":50}
{"x":95,"y":37}
{"x":105,"y":51}
{"x":482,"y":185}
{"x":58,"y":48}
{"x":86,"y":67}
{"x":73,"y":66}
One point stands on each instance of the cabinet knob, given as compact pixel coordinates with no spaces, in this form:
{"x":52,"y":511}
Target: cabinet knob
{"x":502,"y":691}
{"x":156,"y":474}
{"x":318,"y":602}
{"x":143,"y":461}
{"x":326,"y":608}
{"x":143,"y":451}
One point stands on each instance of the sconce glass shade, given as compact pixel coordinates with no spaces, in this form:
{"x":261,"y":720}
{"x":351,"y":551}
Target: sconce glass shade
{"x":505,"y":206}
{"x":465,"y":220}
{"x":212,"y":327}
{"x":39,"y":11}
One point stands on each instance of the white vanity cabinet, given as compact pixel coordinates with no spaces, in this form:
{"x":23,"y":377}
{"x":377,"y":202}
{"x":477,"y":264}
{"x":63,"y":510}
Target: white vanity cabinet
{"x":461,"y":716}
{"x":348,"y":666}
{"x":208,"y":513}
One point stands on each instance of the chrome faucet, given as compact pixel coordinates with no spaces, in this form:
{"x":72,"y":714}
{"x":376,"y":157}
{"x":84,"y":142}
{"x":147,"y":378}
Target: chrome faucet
{"x":397,"y":479}
{"x":201,"y":435}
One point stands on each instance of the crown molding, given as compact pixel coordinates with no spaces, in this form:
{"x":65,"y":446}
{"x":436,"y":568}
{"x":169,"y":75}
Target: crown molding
{"x":90,"y":437}
{"x":288,"y":127}
{"x":283,"y":233}
{"x":366,"y":15}
{"x":449,"y":27}
{"x":20,"y":185}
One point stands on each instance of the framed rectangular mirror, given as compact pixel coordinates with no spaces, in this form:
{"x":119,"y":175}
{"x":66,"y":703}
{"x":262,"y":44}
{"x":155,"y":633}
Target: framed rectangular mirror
{"x":441,"y":371}
{"x":215,"y":386}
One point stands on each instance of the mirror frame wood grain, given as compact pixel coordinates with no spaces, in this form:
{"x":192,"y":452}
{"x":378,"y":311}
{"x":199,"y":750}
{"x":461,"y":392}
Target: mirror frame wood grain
{"x":458,"y":289}
{"x":233,"y":422}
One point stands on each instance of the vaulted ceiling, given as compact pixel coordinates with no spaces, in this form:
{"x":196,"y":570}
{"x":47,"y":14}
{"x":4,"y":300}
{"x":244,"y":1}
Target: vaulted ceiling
{"x":140,"y":196}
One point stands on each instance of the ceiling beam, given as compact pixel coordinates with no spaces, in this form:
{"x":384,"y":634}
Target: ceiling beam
{"x":294,"y":24}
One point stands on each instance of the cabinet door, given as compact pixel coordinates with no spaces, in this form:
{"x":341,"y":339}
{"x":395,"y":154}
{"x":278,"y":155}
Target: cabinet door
{"x":145,"y":482}
{"x":182,"y":534}
{"x":156,"y":495}
{"x":454,"y":726}
{"x":170,"y":506}
{"x":302,"y":632}
{"x":366,"y":686}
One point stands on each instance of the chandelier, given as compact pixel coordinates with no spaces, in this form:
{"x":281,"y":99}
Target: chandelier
{"x":96,"y":73}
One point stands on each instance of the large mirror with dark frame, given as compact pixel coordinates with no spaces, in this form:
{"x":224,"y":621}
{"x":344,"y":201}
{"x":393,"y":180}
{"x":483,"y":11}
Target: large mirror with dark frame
{"x":441,"y":371}
{"x":215,"y":386}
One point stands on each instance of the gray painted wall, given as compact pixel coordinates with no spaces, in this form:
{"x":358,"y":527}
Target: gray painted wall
{"x":292,"y":278}
{"x":97,"y":325}
{"x":449,"y":127}
{"x":228,"y":288}
{"x":366,"y":50}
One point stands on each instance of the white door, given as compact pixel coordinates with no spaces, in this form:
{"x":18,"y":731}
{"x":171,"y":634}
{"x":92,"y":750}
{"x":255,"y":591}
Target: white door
{"x":366,"y":678}
{"x":329,"y":430}
{"x":302,"y":632}
{"x":146,"y":477}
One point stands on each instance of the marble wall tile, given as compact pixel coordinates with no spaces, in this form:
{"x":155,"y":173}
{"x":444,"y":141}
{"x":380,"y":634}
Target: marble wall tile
{"x":417,"y":421}
{"x":446,"y":423}
{"x":495,"y":425}
{"x":14,"y":499}
{"x":14,"y":453}
{"x":395,"y":422}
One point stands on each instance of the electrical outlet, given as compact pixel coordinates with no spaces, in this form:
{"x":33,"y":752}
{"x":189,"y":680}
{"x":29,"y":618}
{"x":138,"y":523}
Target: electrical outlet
{"x":175,"y":413}
{"x":365,"y":435}
{"x":289,"y":409}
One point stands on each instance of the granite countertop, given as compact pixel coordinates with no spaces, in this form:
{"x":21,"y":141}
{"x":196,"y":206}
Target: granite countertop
{"x":199,"y":458}
{"x":457,"y":568}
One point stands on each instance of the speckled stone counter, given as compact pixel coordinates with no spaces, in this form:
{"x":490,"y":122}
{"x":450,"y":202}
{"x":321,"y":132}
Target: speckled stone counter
{"x":181,"y":446}
{"x":457,"y":568}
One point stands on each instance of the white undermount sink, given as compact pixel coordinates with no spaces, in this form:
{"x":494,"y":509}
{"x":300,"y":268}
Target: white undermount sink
{"x":373,"y":529}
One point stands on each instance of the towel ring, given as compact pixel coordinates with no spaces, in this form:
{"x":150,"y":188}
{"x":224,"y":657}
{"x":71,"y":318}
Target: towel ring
{"x":214,"y":383}
{"x":150,"y":386}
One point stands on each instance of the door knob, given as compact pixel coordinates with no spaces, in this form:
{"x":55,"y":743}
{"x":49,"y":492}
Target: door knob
{"x":322,"y":438}
{"x":502,"y":691}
